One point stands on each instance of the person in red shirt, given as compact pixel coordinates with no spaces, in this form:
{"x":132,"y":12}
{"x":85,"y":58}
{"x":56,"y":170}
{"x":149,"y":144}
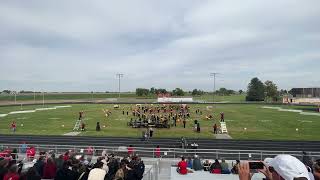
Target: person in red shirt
{"x":158,"y":152}
{"x":130,"y":150}
{"x":66,"y":156}
{"x":49,"y":169}
{"x":13,"y":126}
{"x":182,"y":167}
{"x":31,"y":152}
{"x":12,"y":174}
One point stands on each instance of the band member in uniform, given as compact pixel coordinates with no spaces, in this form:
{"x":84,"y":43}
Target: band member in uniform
{"x":222,"y":116}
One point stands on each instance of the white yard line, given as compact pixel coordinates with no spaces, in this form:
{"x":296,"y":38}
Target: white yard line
{"x":32,"y":111}
{"x":292,"y":110}
{"x":72,"y":134}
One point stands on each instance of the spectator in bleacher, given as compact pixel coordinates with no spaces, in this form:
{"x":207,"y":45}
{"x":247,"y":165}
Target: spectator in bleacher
{"x":158,"y":151}
{"x":131,"y":172}
{"x":120,"y":175}
{"x":206,"y":165}
{"x":12,"y":174}
{"x":139,"y":167}
{"x":59,"y":162}
{"x":39,"y":165}
{"x":66,"y":156}
{"x":306,"y":159}
{"x":216,"y":168}
{"x":14,"y":155}
{"x":182,"y":167}
{"x":316,"y":171}
{"x":130,"y":150}
{"x":281,"y":167}
{"x":97,"y":173}
{"x":4,"y":163}
{"x":49,"y":169}
{"x":113,"y":165}
{"x":197,"y":166}
{"x":23,"y":147}
{"x":189,"y":163}
{"x":235,"y":169}
{"x":66,"y":173}
{"x":31,"y":152}
{"x":32,"y":174}
{"x":225,"y":167}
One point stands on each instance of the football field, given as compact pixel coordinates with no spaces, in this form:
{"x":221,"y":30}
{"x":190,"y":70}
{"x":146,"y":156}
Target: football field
{"x":244,"y":121}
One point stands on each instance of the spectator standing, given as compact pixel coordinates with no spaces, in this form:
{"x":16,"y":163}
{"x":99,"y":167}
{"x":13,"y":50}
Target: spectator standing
{"x":32,"y":174}
{"x":3,"y":168}
{"x":130,"y":150}
{"x":97,"y":173}
{"x":66,"y":172}
{"x":39,"y":165}
{"x":23,"y":147}
{"x":158,"y":152}
{"x":49,"y":169}
{"x":120,"y":174}
{"x":12,"y":174}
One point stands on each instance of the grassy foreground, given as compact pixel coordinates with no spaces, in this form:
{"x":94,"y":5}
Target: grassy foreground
{"x":260,"y":123}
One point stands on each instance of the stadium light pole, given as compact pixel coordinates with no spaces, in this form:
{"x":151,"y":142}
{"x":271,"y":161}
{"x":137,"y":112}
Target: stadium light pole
{"x":119,"y":75}
{"x":34,"y":96}
{"x":214,"y":83}
{"x":43,"y":98}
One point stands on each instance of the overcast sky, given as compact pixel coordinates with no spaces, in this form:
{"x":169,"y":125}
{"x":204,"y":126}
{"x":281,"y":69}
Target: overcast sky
{"x":81,"y":45}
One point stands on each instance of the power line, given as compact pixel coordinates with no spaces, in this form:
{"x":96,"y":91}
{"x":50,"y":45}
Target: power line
{"x":119,"y":75}
{"x":214,"y":83}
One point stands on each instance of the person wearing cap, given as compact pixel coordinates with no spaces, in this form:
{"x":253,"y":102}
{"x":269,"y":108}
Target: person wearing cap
{"x":282,"y":167}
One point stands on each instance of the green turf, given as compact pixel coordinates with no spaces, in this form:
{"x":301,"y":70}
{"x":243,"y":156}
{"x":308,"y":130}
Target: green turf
{"x":260,"y":123}
{"x":89,"y":96}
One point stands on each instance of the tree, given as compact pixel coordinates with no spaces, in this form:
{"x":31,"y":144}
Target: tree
{"x":161,"y":91}
{"x":152,"y":90}
{"x":271,"y":91}
{"x":178,"y":92}
{"x":255,"y":90}
{"x":240,"y":91}
{"x":142,"y":92}
{"x":197,"y":92}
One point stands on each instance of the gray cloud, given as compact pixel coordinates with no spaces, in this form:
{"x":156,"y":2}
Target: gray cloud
{"x":80,"y":46}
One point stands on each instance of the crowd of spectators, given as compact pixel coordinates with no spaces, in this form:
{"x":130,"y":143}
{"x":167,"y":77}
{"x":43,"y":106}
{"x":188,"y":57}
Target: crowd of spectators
{"x":282,"y":167}
{"x":70,"y":166}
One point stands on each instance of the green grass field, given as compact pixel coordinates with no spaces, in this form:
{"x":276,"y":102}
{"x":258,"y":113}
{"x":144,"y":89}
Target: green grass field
{"x":89,"y":96}
{"x":260,"y":123}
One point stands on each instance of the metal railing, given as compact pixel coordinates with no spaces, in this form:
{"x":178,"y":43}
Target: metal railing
{"x":165,"y":152}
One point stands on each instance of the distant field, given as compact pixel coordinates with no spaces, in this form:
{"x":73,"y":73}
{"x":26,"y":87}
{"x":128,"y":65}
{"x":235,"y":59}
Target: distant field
{"x":231,"y":98}
{"x":89,"y":96}
{"x":261,"y":123}
{"x":64,"y":96}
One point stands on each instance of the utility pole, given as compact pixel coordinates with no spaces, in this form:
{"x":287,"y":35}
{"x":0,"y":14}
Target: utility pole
{"x":119,"y":75}
{"x":214,"y":83}
{"x":43,"y":98}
